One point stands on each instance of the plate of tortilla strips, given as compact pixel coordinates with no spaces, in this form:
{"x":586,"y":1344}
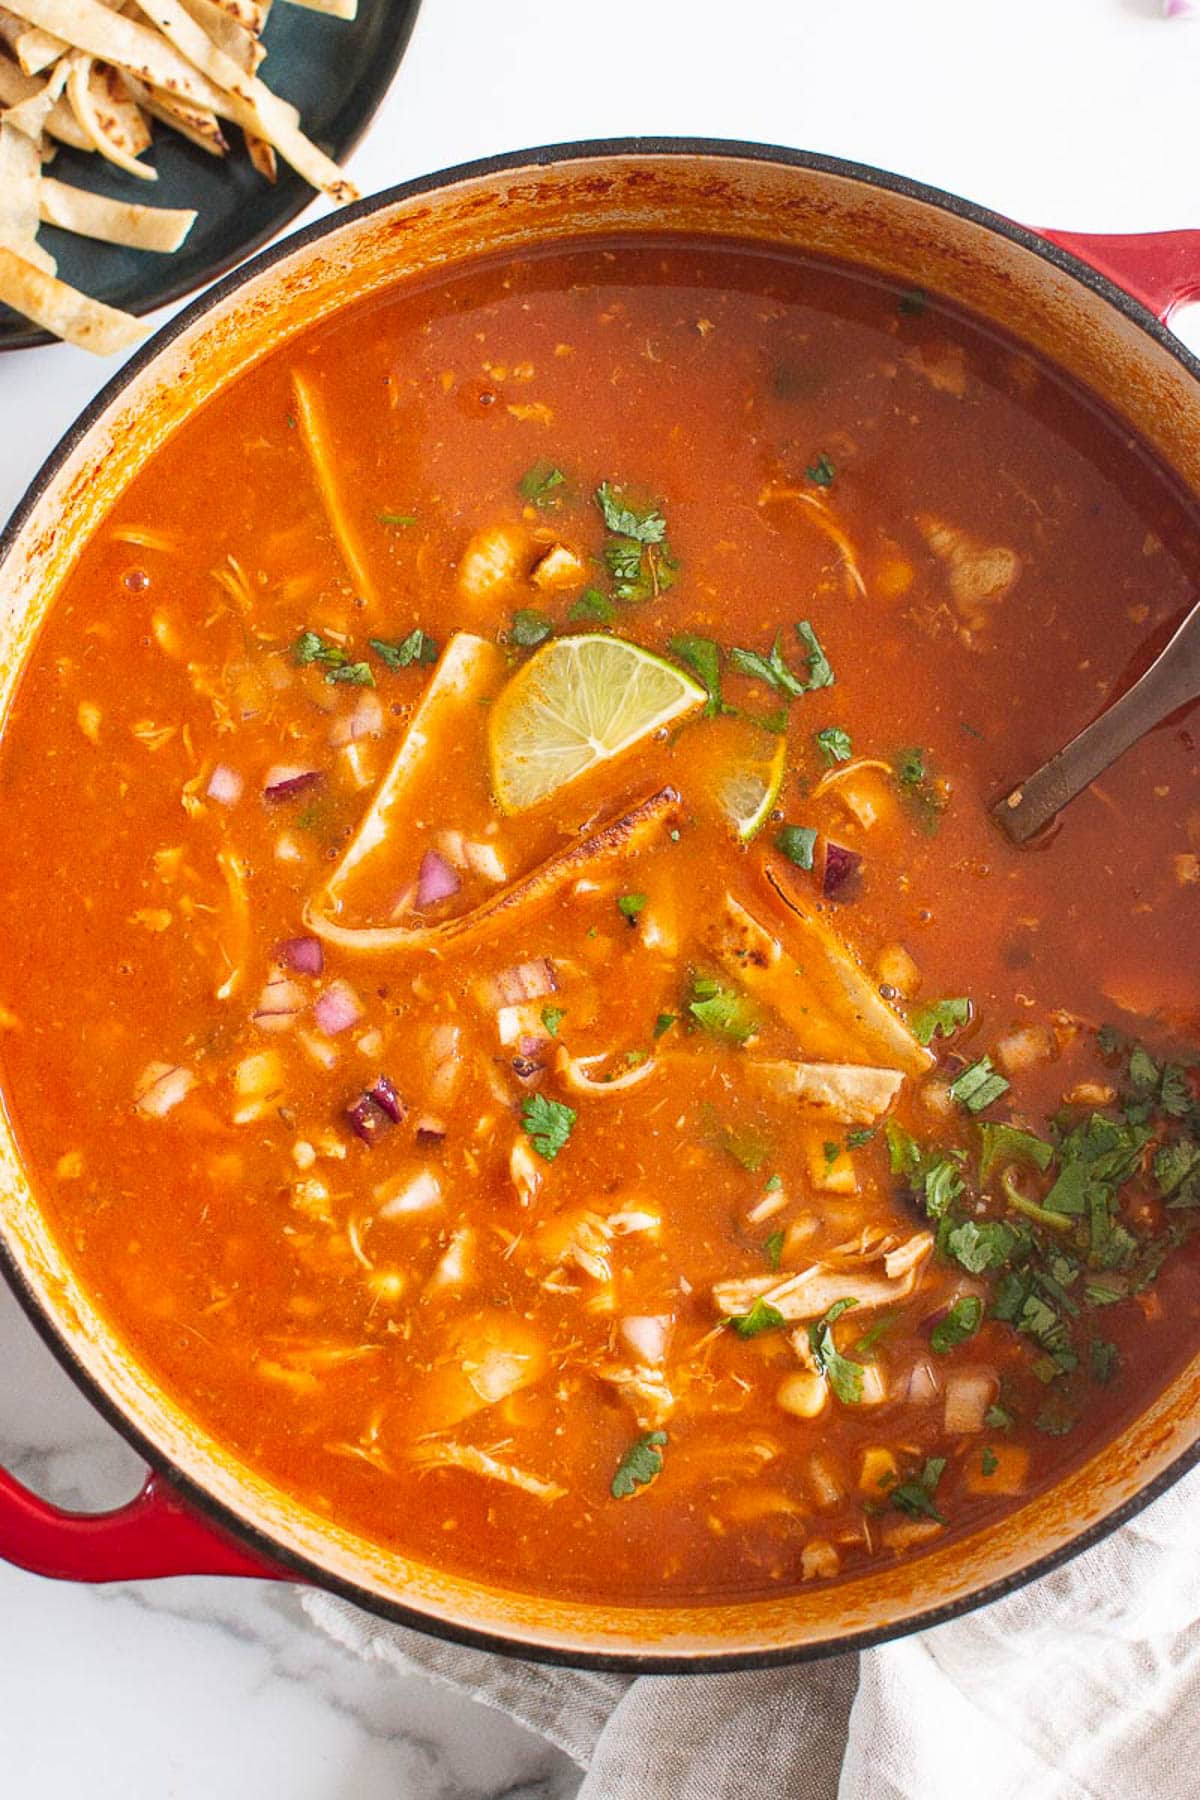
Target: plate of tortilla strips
{"x":148,"y":146}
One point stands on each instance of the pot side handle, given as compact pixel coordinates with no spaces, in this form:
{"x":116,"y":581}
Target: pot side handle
{"x":1159,"y":268}
{"x":154,"y":1534}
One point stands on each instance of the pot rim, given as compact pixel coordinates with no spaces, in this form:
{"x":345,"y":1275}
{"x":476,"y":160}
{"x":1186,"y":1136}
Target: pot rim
{"x":44,"y":1322}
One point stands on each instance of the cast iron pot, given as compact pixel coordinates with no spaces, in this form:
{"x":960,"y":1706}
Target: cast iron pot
{"x":1095,"y":306}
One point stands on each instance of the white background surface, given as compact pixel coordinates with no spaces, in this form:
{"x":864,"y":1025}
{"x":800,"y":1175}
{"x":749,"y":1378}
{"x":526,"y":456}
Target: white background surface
{"x":1074,"y":113}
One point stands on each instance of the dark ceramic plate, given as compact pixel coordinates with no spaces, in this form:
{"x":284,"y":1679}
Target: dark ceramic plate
{"x":335,"y":71}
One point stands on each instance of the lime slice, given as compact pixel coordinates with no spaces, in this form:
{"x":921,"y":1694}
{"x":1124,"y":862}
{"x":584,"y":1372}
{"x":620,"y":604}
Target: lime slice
{"x":749,"y":787}
{"x":577,"y":703}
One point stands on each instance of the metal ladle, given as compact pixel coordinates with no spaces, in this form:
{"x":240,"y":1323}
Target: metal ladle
{"x":1171,"y":681}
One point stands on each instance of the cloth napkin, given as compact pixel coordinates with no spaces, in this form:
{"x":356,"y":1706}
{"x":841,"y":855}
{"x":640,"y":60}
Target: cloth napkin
{"x":1082,"y":1686}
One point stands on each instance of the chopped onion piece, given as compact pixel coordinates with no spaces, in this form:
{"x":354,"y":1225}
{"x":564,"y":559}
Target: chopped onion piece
{"x":968,"y":1396}
{"x":647,"y":1334}
{"x":284,"y":782}
{"x":280,"y":1003}
{"x":225,"y":785}
{"x":436,"y":880}
{"x":365,"y":721}
{"x":923,"y":1384}
{"x":160,"y":1087}
{"x":840,"y":865}
{"x":303,"y":955}
{"x":523,"y":981}
{"x":409,"y":1195}
{"x":337,"y":1008}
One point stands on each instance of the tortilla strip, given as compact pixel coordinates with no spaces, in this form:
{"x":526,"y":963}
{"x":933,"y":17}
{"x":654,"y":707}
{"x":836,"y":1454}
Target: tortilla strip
{"x":60,"y":309}
{"x":247,"y":13}
{"x":35,"y":50}
{"x":265,"y":113}
{"x":621,"y":837}
{"x":108,"y":125}
{"x":262,"y":155}
{"x":228,"y":35}
{"x":843,"y":1093}
{"x":160,"y":228}
{"x":312,"y":430}
{"x":60,"y":122}
{"x":812,"y":1291}
{"x":20,"y":179}
{"x":336,"y":9}
{"x":31,"y":114}
{"x":196,"y":123}
{"x":110,"y":37}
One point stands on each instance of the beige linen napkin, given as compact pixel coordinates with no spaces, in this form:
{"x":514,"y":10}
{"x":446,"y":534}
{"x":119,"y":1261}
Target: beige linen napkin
{"x":1083,"y":1686}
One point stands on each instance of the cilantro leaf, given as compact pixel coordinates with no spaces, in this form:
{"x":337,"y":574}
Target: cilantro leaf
{"x":1177,"y":1172}
{"x":663,"y":1023}
{"x":1104,"y":1360}
{"x":978,"y":1086}
{"x":773,"y":1249}
{"x":630,"y":905}
{"x":960,"y":1323}
{"x":797,"y":842}
{"x":996,"y":1418}
{"x":989,"y":1462}
{"x":980,"y":1248}
{"x":721,"y":1010}
{"x":552,"y":1018}
{"x":529,"y":628}
{"x":760,"y":1318}
{"x":641,"y":1464}
{"x":348,"y":674}
{"x":916,"y":1495}
{"x":820,"y":670}
{"x":417,"y":647}
{"x":1098,"y":1156}
{"x":1005,"y":1143}
{"x":548,"y":1123}
{"x":1175,"y":1091}
{"x":540,"y":483}
{"x":703,"y":655}
{"x":938,"y":1019}
{"x":311,"y":647}
{"x":844,"y":1377}
{"x":771,"y":669}
{"x":822,"y":472}
{"x":592,"y":604}
{"x":834,"y":744}
{"x":625,"y":521}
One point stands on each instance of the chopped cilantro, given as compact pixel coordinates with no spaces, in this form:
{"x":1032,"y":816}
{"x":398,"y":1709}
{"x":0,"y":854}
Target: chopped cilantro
{"x":720,"y":1010}
{"x":552,"y":1018}
{"x":1177,"y":1172}
{"x":663,"y":1023}
{"x":910,"y":767}
{"x":798,"y":843}
{"x":844,"y":1377}
{"x":989,"y":1462}
{"x":916,"y":1495}
{"x":1143,"y":1070}
{"x":1005,"y":1143}
{"x":978,"y":1086}
{"x":821,"y":472}
{"x":856,"y":1139}
{"x":760,"y":1318}
{"x":417,"y":647}
{"x":703,"y":655}
{"x":997,"y":1418}
{"x":980,"y":1248}
{"x":548,"y":1123}
{"x":310,"y":647}
{"x":1175,"y":1092}
{"x":871,"y":1336}
{"x":529,"y":628}
{"x":770,"y":669}
{"x":832,"y":1150}
{"x":348,"y":674}
{"x":623,"y":520}
{"x":772,"y":1184}
{"x":635,"y":1058}
{"x":1104,"y":1360}
{"x":938,"y":1019}
{"x":820,"y":670}
{"x":1056,"y":1419}
{"x":746,"y":1144}
{"x":960,"y":1323}
{"x":773,"y":1249}
{"x":630,"y":905}
{"x":1098,"y":1155}
{"x":395,"y":518}
{"x":540,"y":484}
{"x":834,"y":744}
{"x":639,"y":558}
{"x":641,"y":1464}
{"x":592,"y":604}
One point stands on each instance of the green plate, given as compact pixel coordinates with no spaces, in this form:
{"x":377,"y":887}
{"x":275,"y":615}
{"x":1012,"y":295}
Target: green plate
{"x":335,"y":71}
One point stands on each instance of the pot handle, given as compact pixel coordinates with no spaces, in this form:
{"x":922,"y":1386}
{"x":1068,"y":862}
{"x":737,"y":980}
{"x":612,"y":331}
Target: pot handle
{"x":153,"y":1534}
{"x":1159,"y":268}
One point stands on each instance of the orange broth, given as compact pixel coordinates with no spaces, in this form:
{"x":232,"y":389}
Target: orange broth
{"x":512,"y":1364}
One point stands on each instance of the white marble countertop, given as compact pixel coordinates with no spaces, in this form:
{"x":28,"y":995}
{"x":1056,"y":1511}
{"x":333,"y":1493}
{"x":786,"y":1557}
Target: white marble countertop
{"x":1076,"y":113}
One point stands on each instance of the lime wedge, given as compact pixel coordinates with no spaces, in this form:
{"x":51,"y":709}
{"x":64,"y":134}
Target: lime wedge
{"x":748,"y":787}
{"x":578,"y":702}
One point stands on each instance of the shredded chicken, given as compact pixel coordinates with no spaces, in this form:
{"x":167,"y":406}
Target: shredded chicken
{"x":812,"y":1291}
{"x":445,"y":1454}
{"x":646,"y":1391}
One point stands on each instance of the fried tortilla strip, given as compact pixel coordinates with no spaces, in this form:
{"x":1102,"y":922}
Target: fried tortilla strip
{"x":17,"y":90}
{"x":32,"y":114}
{"x":813,"y":982}
{"x":228,"y":35}
{"x":35,"y":50}
{"x":108,"y":116}
{"x":110,"y":37}
{"x":248,"y":13}
{"x":316,"y":442}
{"x":262,"y":155}
{"x":843,"y":1093}
{"x":811,"y":1292}
{"x":160,"y":228}
{"x":60,"y":309}
{"x":196,"y":123}
{"x":20,"y":179}
{"x":336,"y":9}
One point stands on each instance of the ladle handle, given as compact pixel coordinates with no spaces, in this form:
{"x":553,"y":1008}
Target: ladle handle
{"x":154,"y":1534}
{"x":1171,"y":681}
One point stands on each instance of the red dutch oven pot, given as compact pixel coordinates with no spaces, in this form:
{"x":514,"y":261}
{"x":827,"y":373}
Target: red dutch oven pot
{"x":1095,"y":305}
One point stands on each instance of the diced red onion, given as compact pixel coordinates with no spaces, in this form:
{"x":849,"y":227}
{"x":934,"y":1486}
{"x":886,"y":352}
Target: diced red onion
{"x":382,"y":1092}
{"x":840,"y":865}
{"x":934,"y":1318}
{"x":225,"y":785}
{"x":160,"y":1087}
{"x":923,"y":1384}
{"x":524,"y":981}
{"x":280,"y":1003}
{"x":303,"y":955}
{"x":337,"y":1008}
{"x":436,"y":880}
{"x":365,"y":721}
{"x":531,"y":1046}
{"x":526,"y":1068}
{"x":284,"y":782}
{"x":430,"y":1131}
